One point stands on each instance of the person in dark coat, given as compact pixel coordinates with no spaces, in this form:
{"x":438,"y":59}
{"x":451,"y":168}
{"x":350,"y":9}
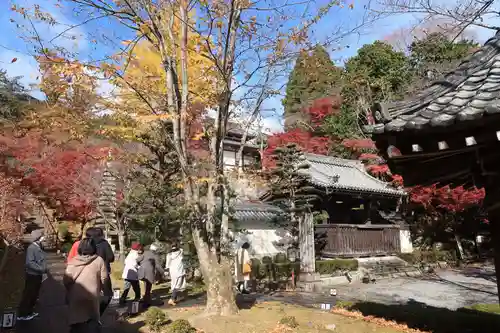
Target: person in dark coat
{"x":149,"y":268}
{"x":104,"y":251}
{"x":35,"y":269}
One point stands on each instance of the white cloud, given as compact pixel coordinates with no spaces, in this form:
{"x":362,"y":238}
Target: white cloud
{"x":272,"y":125}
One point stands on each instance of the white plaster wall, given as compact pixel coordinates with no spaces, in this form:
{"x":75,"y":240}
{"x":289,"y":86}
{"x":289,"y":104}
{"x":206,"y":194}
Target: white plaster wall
{"x":262,"y":238}
{"x":405,"y":240}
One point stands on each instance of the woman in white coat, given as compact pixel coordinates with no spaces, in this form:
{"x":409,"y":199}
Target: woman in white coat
{"x":175,"y":265}
{"x":242,"y":268}
{"x":130,"y":274}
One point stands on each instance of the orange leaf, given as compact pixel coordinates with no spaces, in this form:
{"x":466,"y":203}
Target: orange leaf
{"x":13,"y":60}
{"x":198,"y":136}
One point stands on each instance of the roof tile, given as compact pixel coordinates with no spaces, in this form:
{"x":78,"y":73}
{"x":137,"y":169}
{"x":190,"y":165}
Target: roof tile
{"x":469,"y":92}
{"x":343,"y":175}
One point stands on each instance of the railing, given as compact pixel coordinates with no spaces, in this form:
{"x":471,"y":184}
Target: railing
{"x":349,"y":240}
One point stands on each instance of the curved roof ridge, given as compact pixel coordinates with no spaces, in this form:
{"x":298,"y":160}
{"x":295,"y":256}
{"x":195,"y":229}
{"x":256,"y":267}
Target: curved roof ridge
{"x":344,"y":174}
{"x":470,"y":65}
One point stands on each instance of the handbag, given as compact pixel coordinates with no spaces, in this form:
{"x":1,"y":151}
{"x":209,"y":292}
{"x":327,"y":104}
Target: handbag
{"x":247,"y":269}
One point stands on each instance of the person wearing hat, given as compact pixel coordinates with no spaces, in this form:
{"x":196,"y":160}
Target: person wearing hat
{"x":35,"y":269}
{"x":149,"y":268}
{"x":175,"y":265}
{"x":130,"y":273}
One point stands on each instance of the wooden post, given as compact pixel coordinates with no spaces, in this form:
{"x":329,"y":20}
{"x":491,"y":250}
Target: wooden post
{"x":306,"y":245}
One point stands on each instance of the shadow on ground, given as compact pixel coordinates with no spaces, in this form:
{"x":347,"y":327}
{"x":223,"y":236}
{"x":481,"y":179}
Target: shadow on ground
{"x":432,"y":319}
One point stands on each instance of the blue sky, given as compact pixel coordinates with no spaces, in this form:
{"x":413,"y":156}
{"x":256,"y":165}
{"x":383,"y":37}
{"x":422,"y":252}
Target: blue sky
{"x":12,"y":46}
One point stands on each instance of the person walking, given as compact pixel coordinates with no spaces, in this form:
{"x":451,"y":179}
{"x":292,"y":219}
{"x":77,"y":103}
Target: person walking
{"x":175,"y":265}
{"x":130,"y":273}
{"x":35,"y":272}
{"x":104,"y":251}
{"x":85,"y":277}
{"x":73,"y":252}
{"x":149,"y":268}
{"x":242,"y":268}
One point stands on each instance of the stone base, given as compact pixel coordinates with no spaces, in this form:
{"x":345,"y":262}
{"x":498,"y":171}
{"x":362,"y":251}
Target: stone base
{"x":309,"y":277}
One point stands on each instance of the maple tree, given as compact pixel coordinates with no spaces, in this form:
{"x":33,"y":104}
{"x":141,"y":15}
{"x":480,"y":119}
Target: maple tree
{"x":64,"y":177}
{"x":451,"y":199}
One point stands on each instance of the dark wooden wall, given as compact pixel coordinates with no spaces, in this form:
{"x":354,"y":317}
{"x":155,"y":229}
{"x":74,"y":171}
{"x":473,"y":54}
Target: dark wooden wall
{"x":346,"y":240}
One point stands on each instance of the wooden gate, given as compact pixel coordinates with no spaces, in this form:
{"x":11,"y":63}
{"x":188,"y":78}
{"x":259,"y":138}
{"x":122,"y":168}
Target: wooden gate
{"x":352,"y":240}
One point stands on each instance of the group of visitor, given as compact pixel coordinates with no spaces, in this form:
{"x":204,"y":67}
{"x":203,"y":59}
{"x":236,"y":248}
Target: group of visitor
{"x":87,"y":278}
{"x":145,"y":266}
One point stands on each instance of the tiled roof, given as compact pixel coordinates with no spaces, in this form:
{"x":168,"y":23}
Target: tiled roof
{"x":468,"y":93}
{"x":255,"y":211}
{"x":342,"y":175}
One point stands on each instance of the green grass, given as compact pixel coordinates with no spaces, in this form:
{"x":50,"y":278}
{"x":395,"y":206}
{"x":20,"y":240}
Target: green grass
{"x":490,"y":308}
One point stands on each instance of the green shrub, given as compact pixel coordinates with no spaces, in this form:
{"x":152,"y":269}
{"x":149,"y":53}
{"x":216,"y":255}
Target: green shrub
{"x":181,"y":326}
{"x":267,"y":260}
{"x":282,"y":271}
{"x":156,"y":319}
{"x":334,"y":265}
{"x":280,"y":258}
{"x":429,"y":257}
{"x":256,"y":268}
{"x":289,"y":321}
{"x":63,"y":230}
{"x":344,"y":304}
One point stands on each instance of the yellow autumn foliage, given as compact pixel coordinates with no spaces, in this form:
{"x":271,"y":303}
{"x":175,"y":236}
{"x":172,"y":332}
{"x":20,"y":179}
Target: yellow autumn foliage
{"x":145,"y":73}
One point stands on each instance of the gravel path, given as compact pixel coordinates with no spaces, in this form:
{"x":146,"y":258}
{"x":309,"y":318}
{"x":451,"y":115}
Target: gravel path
{"x":449,"y":289}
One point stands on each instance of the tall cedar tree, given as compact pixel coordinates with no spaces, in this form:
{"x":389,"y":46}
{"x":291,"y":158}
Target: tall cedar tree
{"x":290,"y":189}
{"x":314,"y":76}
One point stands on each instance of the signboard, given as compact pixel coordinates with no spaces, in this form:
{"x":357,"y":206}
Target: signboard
{"x":8,"y":320}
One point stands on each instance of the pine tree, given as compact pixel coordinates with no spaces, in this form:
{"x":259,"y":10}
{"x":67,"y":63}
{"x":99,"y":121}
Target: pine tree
{"x":314,"y":76}
{"x":436,"y":54}
{"x":290,"y":189}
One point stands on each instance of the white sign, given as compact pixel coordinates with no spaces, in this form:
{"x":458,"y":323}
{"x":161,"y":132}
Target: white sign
{"x":8,"y":320}
{"x":326,"y":306}
{"x":134,"y":308}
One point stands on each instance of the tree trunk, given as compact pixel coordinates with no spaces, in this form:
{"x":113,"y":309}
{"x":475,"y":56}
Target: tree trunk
{"x":218,"y":279}
{"x":460,"y":249}
{"x":121,"y":244}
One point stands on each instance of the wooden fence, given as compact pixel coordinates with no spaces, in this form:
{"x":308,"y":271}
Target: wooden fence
{"x":350,"y":240}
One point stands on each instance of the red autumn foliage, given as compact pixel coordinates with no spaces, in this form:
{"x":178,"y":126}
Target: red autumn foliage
{"x":322,"y":108}
{"x":368,"y":157}
{"x":357,"y":144}
{"x":378,"y":169}
{"x":304,"y":139}
{"x":65,"y":177}
{"x":451,"y":199}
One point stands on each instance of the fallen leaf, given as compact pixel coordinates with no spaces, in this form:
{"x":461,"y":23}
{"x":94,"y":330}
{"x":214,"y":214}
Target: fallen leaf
{"x":13,"y":60}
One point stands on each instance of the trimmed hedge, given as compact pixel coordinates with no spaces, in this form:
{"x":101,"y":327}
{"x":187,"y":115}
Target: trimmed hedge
{"x":429,"y":257}
{"x":281,"y":268}
{"x":334,"y":265}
